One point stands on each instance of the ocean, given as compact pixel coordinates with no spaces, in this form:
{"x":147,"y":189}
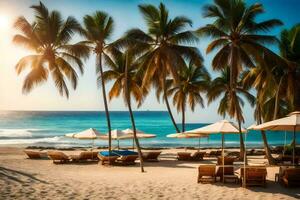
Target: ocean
{"x":47,"y":129}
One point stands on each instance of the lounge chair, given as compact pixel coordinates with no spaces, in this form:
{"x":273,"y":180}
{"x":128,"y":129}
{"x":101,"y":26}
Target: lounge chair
{"x":35,"y":154}
{"x":227,"y":160}
{"x":227,"y":171}
{"x":127,"y":160}
{"x":107,"y":158}
{"x":206,"y":173}
{"x":85,"y":156}
{"x":197,"y":156}
{"x":291,"y":177}
{"x":184,"y":156}
{"x":58,"y":157}
{"x":255,"y":176}
{"x":211,"y":154}
{"x":151,"y":156}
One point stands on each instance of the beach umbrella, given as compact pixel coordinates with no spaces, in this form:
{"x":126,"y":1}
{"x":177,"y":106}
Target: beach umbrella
{"x":139,"y":134}
{"x":223,"y":127}
{"x":188,"y":135}
{"x":89,"y":134}
{"x":289,"y":123}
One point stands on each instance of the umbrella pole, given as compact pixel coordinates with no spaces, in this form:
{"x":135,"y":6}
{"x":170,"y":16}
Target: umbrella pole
{"x":245,"y":160}
{"x":199,"y":145}
{"x":223,"y":155}
{"x":294,"y":145}
{"x":133,"y":144}
{"x":118,"y":144}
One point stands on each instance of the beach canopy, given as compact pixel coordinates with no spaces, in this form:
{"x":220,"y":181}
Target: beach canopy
{"x":223,"y":126}
{"x":126,"y":134}
{"x":139,"y":133}
{"x":289,"y":123}
{"x":90,"y":134}
{"x":186,"y":135}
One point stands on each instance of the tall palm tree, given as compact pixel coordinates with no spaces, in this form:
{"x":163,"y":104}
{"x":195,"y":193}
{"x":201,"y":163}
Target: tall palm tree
{"x":193,"y":80}
{"x":97,"y":31}
{"x":236,"y":37}
{"x":49,"y":36}
{"x":122,"y":70}
{"x":165,"y":45}
{"x":231,"y":99}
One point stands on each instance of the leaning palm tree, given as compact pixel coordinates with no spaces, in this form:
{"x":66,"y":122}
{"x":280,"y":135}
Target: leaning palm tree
{"x":49,"y":36}
{"x":97,"y":31}
{"x":165,"y":45}
{"x":193,"y":80}
{"x":122,"y":70}
{"x":231,"y":100}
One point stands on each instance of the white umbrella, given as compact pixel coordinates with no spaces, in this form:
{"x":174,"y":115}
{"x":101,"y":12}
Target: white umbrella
{"x":139,"y":134}
{"x":223,"y":127}
{"x":187,"y":135}
{"x":289,"y":123}
{"x":89,"y":134}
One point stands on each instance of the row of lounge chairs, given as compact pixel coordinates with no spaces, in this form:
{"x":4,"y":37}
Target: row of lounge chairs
{"x":254,"y":175}
{"x":117,"y":157}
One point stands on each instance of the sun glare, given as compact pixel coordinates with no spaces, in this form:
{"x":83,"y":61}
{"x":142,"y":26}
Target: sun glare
{"x":4,"y":23}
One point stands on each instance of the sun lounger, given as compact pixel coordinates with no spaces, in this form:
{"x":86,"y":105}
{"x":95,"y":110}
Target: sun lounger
{"x":151,"y":156}
{"x":197,"y":156}
{"x":184,"y":156}
{"x":58,"y":157}
{"x":228,"y":170}
{"x":107,"y":158}
{"x":291,"y":177}
{"x":35,"y":154}
{"x":127,"y":160}
{"x":255,"y":176}
{"x":227,"y":160}
{"x":85,"y":156}
{"x":206,"y":173}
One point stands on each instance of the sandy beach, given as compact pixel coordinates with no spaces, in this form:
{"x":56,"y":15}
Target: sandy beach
{"x":22,"y":178}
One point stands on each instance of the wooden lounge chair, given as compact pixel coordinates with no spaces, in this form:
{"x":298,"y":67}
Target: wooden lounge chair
{"x":151,"y":156}
{"x":206,"y":173}
{"x":127,"y":160}
{"x":291,"y":177}
{"x":227,"y":160}
{"x":197,"y":156}
{"x":58,"y":157}
{"x":35,"y":154}
{"x":85,"y":156}
{"x":107,"y":159}
{"x":255,"y":176}
{"x":228,"y":170}
{"x":184,"y":156}
{"x":211,"y":154}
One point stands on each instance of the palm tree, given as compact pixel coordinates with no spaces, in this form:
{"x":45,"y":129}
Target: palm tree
{"x":97,"y":30}
{"x":49,"y":36}
{"x":193,"y":80}
{"x":236,"y":38}
{"x":231,"y":100}
{"x":123,"y":70}
{"x":290,"y":71}
{"x":164,"y":46}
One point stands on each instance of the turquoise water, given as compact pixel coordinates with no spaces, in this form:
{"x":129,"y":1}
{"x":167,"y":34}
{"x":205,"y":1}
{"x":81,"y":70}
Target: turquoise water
{"x":34,"y":128}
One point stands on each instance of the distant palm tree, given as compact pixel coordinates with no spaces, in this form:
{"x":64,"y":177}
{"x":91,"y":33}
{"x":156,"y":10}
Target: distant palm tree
{"x":97,"y":31}
{"x":231,"y":99}
{"x":49,"y":38}
{"x":123,"y":71}
{"x":163,"y":47}
{"x":193,"y":80}
{"x":236,"y":38}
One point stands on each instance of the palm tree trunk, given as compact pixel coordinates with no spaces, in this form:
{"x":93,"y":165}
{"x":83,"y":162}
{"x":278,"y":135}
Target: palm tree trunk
{"x":105,"y":103}
{"x":276,"y":100}
{"x":168,"y":105}
{"x":242,"y":144}
{"x":183,"y":116}
{"x":269,"y":156}
{"x":132,"y":118}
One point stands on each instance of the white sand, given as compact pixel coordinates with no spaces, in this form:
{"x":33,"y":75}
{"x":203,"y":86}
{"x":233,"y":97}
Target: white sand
{"x":22,"y":178}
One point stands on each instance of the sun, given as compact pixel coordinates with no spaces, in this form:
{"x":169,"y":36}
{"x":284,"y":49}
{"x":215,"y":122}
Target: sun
{"x":4,"y":23}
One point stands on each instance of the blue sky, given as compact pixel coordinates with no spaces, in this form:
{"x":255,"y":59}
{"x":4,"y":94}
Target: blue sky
{"x":126,"y":15}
